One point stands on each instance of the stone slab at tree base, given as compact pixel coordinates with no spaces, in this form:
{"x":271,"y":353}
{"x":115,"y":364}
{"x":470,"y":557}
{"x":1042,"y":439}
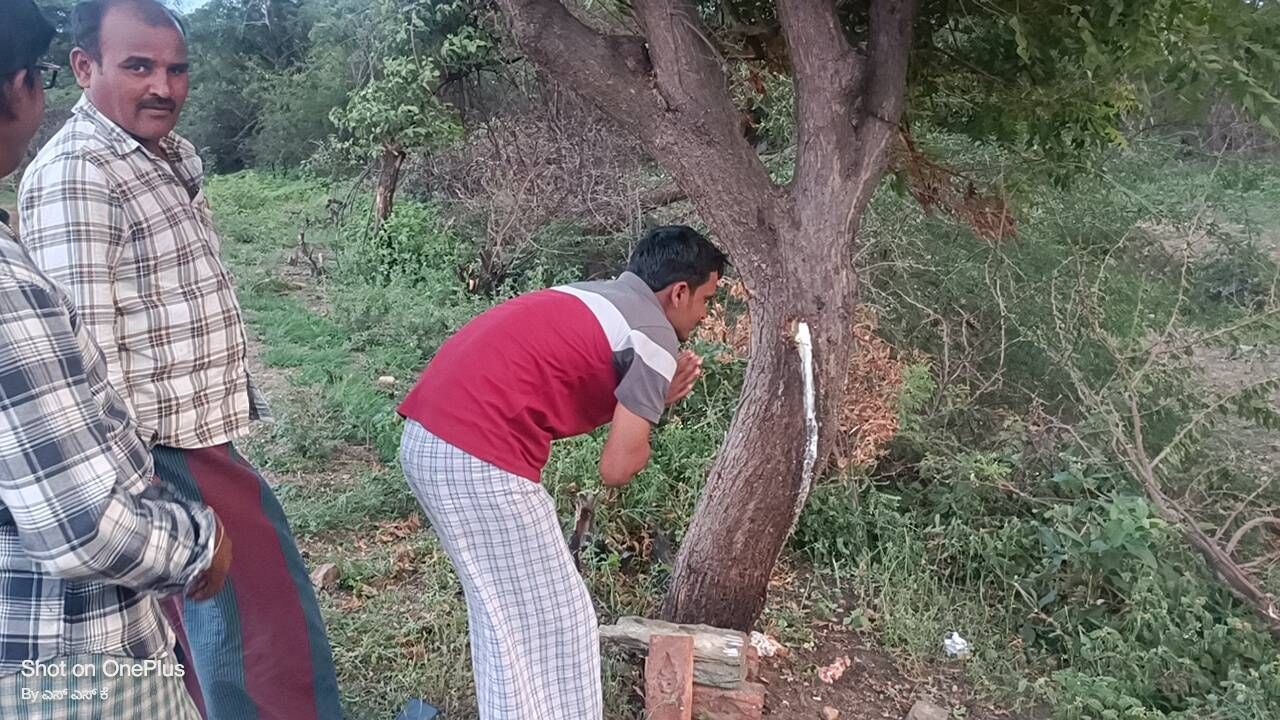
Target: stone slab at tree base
{"x":718,"y":669}
{"x":719,"y":656}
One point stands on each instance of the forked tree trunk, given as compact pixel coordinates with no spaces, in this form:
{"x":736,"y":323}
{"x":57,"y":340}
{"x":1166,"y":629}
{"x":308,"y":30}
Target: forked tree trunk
{"x":790,"y":244}
{"x":388,"y":180}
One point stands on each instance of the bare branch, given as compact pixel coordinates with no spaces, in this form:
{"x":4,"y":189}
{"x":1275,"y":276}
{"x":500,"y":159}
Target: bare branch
{"x":1157,"y":347}
{"x":1244,"y":530}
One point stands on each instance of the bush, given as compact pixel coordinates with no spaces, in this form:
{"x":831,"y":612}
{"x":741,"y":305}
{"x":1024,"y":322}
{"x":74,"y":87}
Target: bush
{"x":1235,"y":272}
{"x":414,"y":246}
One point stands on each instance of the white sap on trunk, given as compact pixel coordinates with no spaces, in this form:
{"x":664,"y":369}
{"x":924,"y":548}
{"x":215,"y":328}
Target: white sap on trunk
{"x":804,"y":345}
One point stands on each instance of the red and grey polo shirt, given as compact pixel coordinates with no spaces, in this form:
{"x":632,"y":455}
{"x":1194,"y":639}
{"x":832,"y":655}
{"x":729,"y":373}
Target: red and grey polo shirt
{"x":545,"y":366}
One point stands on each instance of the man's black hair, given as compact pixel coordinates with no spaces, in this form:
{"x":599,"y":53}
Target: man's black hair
{"x":25,"y":35}
{"x":675,"y":253}
{"x":86,"y":21}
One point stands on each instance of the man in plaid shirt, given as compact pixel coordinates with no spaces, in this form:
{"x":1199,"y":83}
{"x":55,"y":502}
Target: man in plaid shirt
{"x":87,"y":539}
{"x":113,"y":208}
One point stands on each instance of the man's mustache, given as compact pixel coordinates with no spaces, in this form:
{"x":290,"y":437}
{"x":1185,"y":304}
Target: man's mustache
{"x":158,"y":104}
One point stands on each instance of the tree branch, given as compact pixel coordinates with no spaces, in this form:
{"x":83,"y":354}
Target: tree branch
{"x":611,"y":71}
{"x":687,"y":67}
{"x":880,"y":104}
{"x":826,"y":76}
{"x":885,"y":78}
{"x":1244,"y":530}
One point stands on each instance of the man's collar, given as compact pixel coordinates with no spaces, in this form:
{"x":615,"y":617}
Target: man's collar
{"x":636,"y":283}
{"x":120,"y":141}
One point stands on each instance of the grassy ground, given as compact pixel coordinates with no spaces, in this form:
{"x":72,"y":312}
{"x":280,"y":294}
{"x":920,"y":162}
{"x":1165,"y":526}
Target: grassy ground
{"x":397,"y":618}
{"x":891,"y":563}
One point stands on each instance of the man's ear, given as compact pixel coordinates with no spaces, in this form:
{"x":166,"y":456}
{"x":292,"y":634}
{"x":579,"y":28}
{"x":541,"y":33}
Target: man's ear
{"x":680,"y":292}
{"x":82,"y":66}
{"x":16,"y":82}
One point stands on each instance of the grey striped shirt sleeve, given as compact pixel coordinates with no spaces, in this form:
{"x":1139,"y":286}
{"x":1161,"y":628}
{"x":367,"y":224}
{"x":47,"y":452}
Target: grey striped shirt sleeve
{"x":646,"y":371}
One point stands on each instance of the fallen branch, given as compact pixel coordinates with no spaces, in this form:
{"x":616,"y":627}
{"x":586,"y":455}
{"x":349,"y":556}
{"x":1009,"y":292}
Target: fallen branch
{"x":1237,"y":580}
{"x":1244,"y":530}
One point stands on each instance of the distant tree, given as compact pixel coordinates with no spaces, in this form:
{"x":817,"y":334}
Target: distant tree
{"x":240,"y":49}
{"x":398,"y":110}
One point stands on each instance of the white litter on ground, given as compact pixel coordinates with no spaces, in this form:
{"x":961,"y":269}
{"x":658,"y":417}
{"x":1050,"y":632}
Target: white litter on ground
{"x":956,"y":646}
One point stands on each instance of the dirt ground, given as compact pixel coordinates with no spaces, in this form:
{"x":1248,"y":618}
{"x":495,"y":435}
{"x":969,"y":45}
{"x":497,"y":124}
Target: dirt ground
{"x":874,"y":687}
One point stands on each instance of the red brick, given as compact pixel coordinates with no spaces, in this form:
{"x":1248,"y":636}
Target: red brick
{"x":668,"y":678}
{"x":745,"y":702}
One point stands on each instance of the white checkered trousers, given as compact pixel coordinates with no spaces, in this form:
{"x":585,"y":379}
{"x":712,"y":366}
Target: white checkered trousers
{"x":97,"y":687}
{"x":535,"y":647}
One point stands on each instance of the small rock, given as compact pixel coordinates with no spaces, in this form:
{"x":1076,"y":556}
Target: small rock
{"x":325,"y":577}
{"x":767,"y":646}
{"x":925,"y":710}
{"x":833,"y":672}
{"x":830,"y":713}
{"x":386,"y":382}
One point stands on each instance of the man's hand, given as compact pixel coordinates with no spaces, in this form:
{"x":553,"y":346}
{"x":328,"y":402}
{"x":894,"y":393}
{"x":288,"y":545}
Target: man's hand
{"x":688,"y":370}
{"x":208,"y":584}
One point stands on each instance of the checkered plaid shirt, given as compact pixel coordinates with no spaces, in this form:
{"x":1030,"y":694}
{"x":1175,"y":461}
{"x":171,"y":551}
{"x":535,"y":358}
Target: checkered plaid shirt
{"x":129,"y":234}
{"x":86,"y":539}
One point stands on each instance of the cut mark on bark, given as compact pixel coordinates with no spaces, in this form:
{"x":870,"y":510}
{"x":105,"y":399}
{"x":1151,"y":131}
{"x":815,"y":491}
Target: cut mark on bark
{"x":804,"y":345}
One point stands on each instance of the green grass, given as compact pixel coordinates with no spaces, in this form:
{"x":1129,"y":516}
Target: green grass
{"x":371,"y":496}
{"x":1054,"y":589}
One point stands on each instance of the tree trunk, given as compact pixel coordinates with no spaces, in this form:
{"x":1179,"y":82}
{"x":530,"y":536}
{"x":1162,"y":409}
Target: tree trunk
{"x":791,"y":244}
{"x":388,"y":180}
{"x":766,"y":468}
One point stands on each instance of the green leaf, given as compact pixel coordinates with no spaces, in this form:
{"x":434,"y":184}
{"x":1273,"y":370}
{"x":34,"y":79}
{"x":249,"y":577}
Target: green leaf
{"x":1020,"y":38}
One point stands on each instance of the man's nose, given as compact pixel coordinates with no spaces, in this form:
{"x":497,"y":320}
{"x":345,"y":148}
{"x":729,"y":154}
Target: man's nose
{"x":160,"y":85}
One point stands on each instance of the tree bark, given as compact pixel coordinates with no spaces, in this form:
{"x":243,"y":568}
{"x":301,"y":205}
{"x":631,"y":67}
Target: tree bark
{"x":388,"y":180}
{"x":791,"y":245}
{"x":760,"y":482}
